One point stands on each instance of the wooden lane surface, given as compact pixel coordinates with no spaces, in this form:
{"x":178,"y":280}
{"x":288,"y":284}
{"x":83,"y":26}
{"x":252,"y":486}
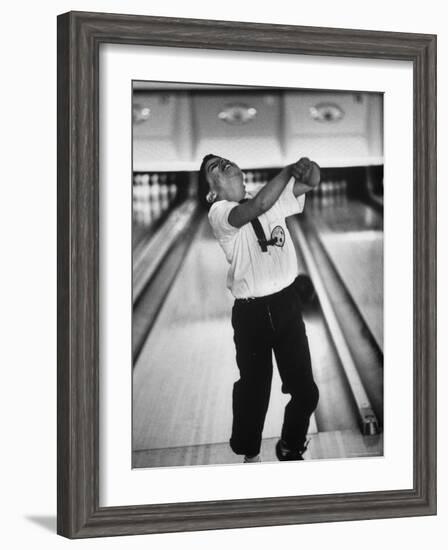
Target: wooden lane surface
{"x":352,"y":234}
{"x":183,"y":378}
{"x":335,"y":410}
{"x":324,"y":445}
{"x":147,"y":261}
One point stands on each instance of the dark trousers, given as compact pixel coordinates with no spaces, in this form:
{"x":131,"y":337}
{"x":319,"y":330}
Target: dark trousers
{"x":262,"y":326}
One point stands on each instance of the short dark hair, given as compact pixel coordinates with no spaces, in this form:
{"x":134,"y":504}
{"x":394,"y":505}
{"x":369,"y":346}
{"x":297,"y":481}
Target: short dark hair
{"x":203,"y":181}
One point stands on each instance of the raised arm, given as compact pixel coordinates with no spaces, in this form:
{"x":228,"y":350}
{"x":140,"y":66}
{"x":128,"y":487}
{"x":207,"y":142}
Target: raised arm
{"x":307,"y":176}
{"x":262,"y":202}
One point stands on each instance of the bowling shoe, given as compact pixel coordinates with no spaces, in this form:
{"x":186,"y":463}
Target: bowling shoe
{"x":250,"y":459}
{"x":285,"y":453}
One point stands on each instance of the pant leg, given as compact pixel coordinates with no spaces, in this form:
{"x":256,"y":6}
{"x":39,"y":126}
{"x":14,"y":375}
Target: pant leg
{"x":294,"y":363}
{"x":251,"y":392}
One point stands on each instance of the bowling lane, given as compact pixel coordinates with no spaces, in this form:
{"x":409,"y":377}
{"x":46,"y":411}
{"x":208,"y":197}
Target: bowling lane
{"x":351,"y":232}
{"x":185,"y":372}
{"x":183,"y":377}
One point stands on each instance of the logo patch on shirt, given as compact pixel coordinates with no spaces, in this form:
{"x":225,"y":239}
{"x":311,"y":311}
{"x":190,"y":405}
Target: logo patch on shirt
{"x":278,"y":235}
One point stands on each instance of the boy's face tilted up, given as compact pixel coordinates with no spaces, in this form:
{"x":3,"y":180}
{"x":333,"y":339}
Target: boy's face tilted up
{"x":225,"y":178}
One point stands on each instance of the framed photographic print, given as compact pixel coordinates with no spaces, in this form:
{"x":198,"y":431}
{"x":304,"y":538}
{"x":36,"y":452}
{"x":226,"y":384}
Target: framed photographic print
{"x":246,"y":274}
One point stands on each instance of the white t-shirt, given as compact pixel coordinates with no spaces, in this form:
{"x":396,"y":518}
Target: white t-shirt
{"x":253,"y":273}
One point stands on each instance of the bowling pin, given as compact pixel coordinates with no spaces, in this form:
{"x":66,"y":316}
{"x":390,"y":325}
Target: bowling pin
{"x":324,"y":201}
{"x":173,"y":191}
{"x":164,"y":190}
{"x":155,"y":196}
{"x":145,"y":199}
{"x":146,"y":216}
{"x":137,"y":187}
{"x":164,"y":196}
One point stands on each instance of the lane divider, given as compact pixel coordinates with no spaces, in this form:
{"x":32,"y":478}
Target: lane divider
{"x":367,"y":416}
{"x":150,"y":256}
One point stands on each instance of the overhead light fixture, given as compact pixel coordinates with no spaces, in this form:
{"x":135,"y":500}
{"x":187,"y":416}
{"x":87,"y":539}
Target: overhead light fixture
{"x":326,"y":112}
{"x":237,"y":113}
{"x":140,"y":113}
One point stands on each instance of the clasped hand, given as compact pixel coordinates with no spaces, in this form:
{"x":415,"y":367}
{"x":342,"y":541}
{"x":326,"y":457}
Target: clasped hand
{"x":306,"y":171}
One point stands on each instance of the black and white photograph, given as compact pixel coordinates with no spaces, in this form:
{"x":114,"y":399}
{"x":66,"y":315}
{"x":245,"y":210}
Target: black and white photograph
{"x":222,"y":242}
{"x":257,"y":243}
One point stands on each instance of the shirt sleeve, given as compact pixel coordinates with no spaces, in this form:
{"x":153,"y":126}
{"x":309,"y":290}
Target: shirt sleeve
{"x":288,"y":204}
{"x":219,"y":219}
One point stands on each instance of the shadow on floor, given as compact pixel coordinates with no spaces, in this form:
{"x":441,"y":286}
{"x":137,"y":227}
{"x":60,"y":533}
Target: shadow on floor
{"x":46,"y":522}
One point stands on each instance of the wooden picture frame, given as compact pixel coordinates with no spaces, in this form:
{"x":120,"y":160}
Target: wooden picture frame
{"x":79,"y":38}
